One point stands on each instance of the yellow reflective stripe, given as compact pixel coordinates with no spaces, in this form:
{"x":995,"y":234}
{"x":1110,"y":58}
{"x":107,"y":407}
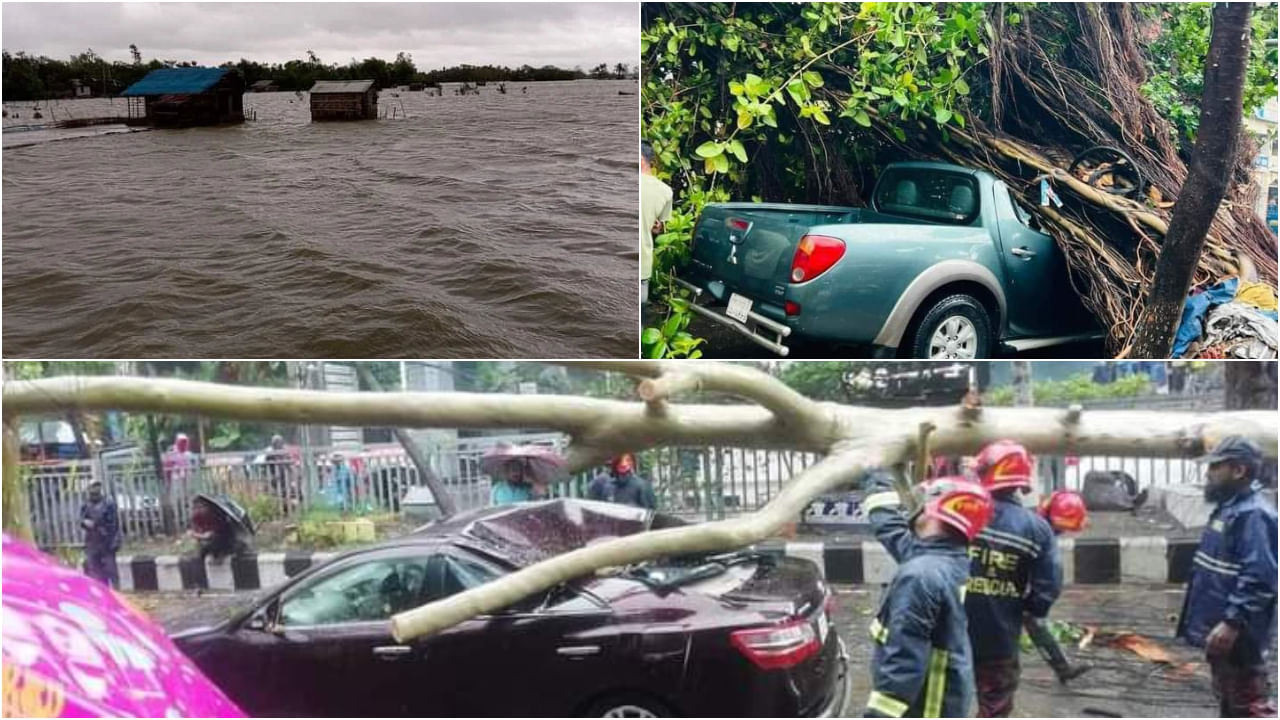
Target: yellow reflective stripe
{"x":936,"y":685}
{"x":879,"y":632}
{"x":888,"y":498}
{"x":886,"y":704}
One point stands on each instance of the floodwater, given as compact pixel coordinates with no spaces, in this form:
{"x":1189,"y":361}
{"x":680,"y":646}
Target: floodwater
{"x":458,"y":226}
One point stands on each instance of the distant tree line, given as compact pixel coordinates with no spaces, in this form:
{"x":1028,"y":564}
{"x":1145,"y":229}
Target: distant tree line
{"x":29,"y":77}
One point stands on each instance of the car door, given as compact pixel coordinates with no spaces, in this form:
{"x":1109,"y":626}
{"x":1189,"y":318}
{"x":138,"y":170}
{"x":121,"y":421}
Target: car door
{"x":542,"y":657}
{"x":334,"y":655}
{"x":1038,"y":292}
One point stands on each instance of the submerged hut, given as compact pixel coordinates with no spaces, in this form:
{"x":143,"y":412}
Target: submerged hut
{"x":263,"y":86}
{"x":344,"y":100}
{"x":185,"y":97}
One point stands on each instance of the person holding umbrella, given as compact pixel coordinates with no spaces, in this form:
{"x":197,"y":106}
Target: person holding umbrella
{"x":520,"y":473}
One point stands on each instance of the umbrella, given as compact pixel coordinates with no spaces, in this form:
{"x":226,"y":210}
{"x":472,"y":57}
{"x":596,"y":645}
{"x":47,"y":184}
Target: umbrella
{"x":540,"y":464}
{"x":74,"y":648}
{"x":234,"y":513}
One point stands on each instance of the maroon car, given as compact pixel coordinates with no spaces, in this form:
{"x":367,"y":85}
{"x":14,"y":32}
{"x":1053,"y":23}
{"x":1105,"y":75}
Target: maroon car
{"x":741,"y":634}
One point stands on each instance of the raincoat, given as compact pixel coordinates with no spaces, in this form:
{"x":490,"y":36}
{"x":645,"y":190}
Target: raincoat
{"x":628,"y":489}
{"x":1233,"y":575}
{"x":1015,"y":570}
{"x":921,"y":665}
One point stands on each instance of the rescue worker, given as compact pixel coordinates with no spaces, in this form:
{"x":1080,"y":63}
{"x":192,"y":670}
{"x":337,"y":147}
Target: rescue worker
{"x":1015,"y":573}
{"x":921,"y":665}
{"x":1065,"y":512}
{"x":101,"y":524}
{"x":1231,"y":595}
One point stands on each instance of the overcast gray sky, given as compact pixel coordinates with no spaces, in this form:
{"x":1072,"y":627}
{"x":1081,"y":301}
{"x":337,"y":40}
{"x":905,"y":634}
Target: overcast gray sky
{"x":437,"y":34}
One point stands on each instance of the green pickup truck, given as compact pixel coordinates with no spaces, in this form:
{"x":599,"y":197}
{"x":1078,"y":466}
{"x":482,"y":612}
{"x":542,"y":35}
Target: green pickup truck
{"x":944,"y":264}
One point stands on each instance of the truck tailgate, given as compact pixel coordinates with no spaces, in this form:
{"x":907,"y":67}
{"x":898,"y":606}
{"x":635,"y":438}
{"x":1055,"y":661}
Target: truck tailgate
{"x":749,"y":246}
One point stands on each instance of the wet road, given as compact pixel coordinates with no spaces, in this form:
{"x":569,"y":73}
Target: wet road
{"x":460,"y":226}
{"x":1121,"y":683}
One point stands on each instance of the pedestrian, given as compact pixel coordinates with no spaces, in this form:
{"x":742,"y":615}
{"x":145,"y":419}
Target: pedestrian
{"x":1065,"y":512}
{"x":921,"y":664}
{"x":510,"y":486}
{"x":622,"y":485}
{"x":343,"y":483}
{"x":215,"y":534}
{"x":1230,"y":604}
{"x":276,"y":457}
{"x":101,"y":524}
{"x":655,"y":210}
{"x":1016,"y":573}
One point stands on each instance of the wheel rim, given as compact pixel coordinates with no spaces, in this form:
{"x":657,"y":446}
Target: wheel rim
{"x":629,"y":711}
{"x":956,"y":338}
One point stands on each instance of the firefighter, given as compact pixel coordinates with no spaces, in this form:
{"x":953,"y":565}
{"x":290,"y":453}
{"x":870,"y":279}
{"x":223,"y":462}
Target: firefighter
{"x":1065,"y":512}
{"x":921,"y":665}
{"x":1231,"y":595}
{"x":1015,"y":574}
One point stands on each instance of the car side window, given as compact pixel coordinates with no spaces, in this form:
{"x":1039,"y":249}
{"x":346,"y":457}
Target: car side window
{"x":365,"y":592}
{"x":1023,"y":216}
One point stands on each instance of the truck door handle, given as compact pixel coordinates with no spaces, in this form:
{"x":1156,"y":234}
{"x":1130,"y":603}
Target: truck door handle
{"x":391,"y":652}
{"x":578,"y":650}
{"x":1023,"y":252}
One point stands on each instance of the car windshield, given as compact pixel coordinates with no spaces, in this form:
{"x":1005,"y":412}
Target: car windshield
{"x":928,"y":194}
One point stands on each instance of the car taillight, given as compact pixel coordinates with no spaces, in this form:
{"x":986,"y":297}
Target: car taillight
{"x":814,"y":256}
{"x":737,"y":224}
{"x":792,"y":308}
{"x":778,"y":646}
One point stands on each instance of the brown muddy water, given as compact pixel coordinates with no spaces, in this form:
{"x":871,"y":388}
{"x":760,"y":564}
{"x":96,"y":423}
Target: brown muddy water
{"x":464,"y":226}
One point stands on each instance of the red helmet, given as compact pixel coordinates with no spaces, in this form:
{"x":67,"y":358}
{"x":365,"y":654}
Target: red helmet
{"x":1065,"y":511}
{"x":960,"y":503}
{"x":1002,"y":465}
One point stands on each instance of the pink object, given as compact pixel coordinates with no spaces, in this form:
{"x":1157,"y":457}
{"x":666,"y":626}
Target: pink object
{"x":74,"y":648}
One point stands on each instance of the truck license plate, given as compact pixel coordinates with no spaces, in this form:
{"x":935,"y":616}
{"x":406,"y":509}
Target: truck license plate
{"x":738,"y":308}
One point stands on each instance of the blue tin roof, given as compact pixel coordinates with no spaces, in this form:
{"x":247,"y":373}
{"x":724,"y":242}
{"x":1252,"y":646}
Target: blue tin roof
{"x":176,"y":81}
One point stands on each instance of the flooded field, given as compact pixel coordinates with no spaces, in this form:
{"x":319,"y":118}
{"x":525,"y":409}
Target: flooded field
{"x":458,"y":226}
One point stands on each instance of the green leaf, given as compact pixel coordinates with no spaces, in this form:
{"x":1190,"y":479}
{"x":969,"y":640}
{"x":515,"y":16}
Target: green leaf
{"x":821,"y":116}
{"x":744,"y":119}
{"x":673,"y":45}
{"x":722,"y":163}
{"x":731,"y":42}
{"x":813,"y":78}
{"x":740,"y":152}
{"x":650,"y":336}
{"x":735,"y":88}
{"x":755,"y":85}
{"x":862,"y":118}
{"x":886,"y":92}
{"x":770,"y":119}
{"x":962,"y":87}
{"x":798,"y":92}
{"x":1015,"y":18}
{"x":941,"y":114}
{"x":900,"y":98}
{"x":959,"y":119}
{"x":899,"y":133}
{"x":709,"y":149}
{"x":656,"y":351}
{"x":671,"y":326}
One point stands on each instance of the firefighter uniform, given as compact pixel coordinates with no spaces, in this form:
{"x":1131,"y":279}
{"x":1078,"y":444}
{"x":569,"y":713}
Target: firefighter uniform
{"x":921,"y":664}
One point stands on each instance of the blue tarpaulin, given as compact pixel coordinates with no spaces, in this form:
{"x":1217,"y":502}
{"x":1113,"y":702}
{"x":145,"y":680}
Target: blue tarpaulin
{"x":176,"y":81}
{"x":1192,"y":326}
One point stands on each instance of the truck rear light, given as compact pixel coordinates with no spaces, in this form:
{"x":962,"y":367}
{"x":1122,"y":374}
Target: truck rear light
{"x":778,"y":646}
{"x":815,"y":255}
{"x":792,"y":308}
{"x":737,"y":224}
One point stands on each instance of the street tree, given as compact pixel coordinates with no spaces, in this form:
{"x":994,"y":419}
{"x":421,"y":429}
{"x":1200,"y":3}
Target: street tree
{"x":852,"y":439}
{"x":1212,"y":163}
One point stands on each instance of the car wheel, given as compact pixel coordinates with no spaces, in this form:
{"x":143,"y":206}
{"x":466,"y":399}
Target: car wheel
{"x":628,"y":706}
{"x":955,"y":328}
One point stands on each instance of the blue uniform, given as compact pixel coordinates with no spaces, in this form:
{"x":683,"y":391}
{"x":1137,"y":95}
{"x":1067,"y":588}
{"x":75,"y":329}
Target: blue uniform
{"x":1233,"y":575}
{"x":1015,"y":571}
{"x":921,"y":665}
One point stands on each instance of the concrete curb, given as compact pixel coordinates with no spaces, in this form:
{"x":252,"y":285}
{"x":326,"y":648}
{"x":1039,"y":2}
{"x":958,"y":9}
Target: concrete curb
{"x":1086,"y":561}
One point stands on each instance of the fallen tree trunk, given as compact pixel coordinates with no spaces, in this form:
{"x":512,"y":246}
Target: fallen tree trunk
{"x":852,"y":439}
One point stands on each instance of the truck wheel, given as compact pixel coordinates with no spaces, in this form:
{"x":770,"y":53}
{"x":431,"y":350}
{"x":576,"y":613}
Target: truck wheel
{"x":955,"y":328}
